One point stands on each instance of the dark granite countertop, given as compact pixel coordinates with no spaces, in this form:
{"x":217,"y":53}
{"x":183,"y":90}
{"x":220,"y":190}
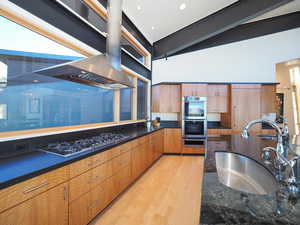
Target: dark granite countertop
{"x":170,"y":124}
{"x":216,"y":125}
{"x":222,"y":205}
{"x":176,"y":124}
{"x":23,"y":167}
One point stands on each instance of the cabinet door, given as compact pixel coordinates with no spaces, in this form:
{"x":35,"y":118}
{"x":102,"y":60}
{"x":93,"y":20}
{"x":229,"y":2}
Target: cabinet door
{"x":194,"y":90}
{"x":79,"y":210}
{"x":166,"y":98}
{"x":172,"y":141}
{"x":217,"y":90}
{"x":48,"y":208}
{"x":217,"y":104}
{"x":245,"y":107}
{"x":268,"y":99}
{"x":136,"y":163}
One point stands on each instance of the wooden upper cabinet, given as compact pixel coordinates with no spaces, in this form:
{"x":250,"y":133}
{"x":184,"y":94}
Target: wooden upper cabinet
{"x":217,"y":104}
{"x":216,"y":90}
{"x":268,"y":99}
{"x":166,"y":98}
{"x":246,"y":106}
{"x":194,"y":90}
{"x":217,"y":98}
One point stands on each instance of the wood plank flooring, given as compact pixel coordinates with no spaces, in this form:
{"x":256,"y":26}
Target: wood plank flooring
{"x":169,"y":193}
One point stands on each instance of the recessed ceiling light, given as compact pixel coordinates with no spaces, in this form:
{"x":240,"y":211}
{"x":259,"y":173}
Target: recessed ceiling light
{"x":35,"y":81}
{"x":152,"y":28}
{"x":182,"y":6}
{"x":139,"y":7}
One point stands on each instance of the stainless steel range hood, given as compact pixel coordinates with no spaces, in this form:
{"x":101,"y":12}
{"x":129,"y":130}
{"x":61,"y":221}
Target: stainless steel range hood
{"x":95,"y":71}
{"x":101,"y":70}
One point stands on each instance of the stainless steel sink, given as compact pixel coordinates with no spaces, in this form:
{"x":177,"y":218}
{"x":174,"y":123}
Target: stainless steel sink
{"x":244,"y":174}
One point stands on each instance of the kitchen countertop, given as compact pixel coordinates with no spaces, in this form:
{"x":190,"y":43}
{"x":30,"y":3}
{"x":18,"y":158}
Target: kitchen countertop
{"x":176,"y":124}
{"x":222,"y":205}
{"x":170,"y":124}
{"x":23,"y":167}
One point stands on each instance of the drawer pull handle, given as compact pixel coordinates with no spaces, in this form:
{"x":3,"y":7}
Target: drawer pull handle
{"x":35,"y":188}
{"x":93,"y":179}
{"x":94,"y":204}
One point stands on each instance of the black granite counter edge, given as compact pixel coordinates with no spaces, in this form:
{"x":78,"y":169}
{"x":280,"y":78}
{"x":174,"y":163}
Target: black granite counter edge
{"x":70,"y":160}
{"x":176,"y":124}
{"x":170,"y":124}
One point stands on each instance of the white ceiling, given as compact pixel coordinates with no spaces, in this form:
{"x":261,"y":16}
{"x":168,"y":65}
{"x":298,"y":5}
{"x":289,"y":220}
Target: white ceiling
{"x":158,"y":19}
{"x":293,"y":6}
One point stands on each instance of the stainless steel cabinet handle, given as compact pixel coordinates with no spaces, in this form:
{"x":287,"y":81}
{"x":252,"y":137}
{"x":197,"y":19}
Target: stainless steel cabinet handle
{"x":66,"y":193}
{"x":35,"y":188}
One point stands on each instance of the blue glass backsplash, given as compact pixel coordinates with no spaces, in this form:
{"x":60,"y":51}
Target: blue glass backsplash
{"x":60,"y":103}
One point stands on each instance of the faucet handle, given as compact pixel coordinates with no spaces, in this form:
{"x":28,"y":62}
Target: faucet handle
{"x":245,"y":134}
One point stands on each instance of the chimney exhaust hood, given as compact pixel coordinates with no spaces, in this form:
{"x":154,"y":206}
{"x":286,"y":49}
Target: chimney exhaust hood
{"x":101,"y":70}
{"x":94,"y":71}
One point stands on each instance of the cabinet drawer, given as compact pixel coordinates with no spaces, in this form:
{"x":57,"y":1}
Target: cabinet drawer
{"x":100,"y":158}
{"x":20,"y":192}
{"x":193,"y":150}
{"x":80,"y":185}
{"x":121,"y":161}
{"x":144,"y":139}
{"x":114,"y":152}
{"x":80,"y":167}
{"x":122,"y":179}
{"x":127,"y":147}
{"x":100,"y":173}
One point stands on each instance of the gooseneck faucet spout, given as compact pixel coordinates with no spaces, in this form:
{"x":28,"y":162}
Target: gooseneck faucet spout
{"x":279,"y":148}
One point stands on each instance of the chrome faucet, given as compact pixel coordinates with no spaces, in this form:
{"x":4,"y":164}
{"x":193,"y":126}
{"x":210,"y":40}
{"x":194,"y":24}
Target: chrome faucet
{"x":282,"y":160}
{"x":279,"y":147}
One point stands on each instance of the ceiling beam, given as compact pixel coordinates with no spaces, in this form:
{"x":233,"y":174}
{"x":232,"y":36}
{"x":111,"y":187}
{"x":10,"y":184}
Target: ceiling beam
{"x":248,"y":31}
{"x":214,"y":24}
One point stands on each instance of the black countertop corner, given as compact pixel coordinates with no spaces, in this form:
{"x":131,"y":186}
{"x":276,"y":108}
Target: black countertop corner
{"x":23,"y":167}
{"x":170,"y":124}
{"x":177,"y":124}
{"x":222,"y":205}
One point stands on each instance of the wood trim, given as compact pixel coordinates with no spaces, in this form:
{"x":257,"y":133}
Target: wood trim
{"x":101,"y":11}
{"x":250,"y":86}
{"x":62,"y":129}
{"x":117,"y":105}
{"x":134,"y":99}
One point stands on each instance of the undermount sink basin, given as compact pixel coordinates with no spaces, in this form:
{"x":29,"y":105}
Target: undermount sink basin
{"x":244,"y":174}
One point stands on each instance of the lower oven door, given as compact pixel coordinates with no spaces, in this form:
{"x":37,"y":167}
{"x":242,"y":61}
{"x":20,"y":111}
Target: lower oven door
{"x":194,"y":128}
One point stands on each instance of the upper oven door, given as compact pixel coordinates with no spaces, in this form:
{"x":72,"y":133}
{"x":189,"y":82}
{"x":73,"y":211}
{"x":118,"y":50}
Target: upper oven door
{"x":194,"y":108}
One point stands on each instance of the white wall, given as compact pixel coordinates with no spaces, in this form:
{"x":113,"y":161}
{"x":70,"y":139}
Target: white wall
{"x":251,"y":60}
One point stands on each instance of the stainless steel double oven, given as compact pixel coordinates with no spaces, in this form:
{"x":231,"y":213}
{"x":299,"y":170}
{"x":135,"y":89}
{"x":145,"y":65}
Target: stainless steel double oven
{"x":194,"y":119}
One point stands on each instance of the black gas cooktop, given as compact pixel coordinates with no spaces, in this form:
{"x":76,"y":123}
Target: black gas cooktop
{"x":69,"y":148}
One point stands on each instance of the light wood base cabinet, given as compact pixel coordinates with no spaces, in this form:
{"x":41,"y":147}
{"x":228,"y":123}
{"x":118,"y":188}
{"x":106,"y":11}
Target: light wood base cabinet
{"x":173,"y":140}
{"x":48,"y":208}
{"x":90,"y":185}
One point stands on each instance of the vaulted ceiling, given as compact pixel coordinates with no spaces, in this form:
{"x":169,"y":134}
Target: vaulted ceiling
{"x":173,"y":26}
{"x":158,"y":19}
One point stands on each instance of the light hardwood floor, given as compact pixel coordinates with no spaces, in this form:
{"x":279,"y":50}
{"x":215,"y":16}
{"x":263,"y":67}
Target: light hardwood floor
{"x":169,"y":193}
